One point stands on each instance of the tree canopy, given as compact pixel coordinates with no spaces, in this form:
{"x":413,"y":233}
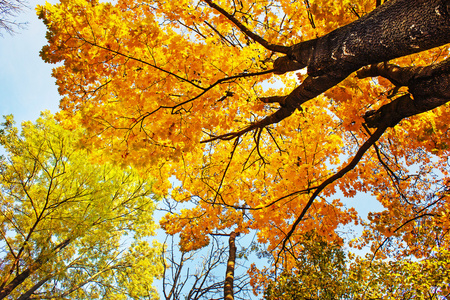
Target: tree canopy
{"x":214,"y":94}
{"x":72,"y":228}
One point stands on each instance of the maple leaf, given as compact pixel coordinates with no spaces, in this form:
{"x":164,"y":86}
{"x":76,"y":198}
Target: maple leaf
{"x":192,"y":77}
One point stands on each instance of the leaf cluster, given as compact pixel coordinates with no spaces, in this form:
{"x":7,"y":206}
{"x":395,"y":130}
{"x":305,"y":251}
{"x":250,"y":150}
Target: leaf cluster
{"x":72,"y":227}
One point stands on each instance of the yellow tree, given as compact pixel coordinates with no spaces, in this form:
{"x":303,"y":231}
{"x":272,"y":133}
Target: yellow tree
{"x":72,"y":228}
{"x":214,"y":93}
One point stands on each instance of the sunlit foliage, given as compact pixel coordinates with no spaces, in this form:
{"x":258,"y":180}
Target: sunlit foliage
{"x":191,"y":90}
{"x":72,"y":228}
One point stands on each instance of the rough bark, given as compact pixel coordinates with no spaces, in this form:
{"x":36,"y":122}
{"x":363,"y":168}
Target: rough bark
{"x":394,"y":29}
{"x":429,"y":87}
{"x":229,"y":279}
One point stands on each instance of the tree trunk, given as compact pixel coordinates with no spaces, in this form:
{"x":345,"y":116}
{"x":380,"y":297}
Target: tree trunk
{"x":229,"y":279}
{"x":396,"y":28}
{"x":42,"y":259}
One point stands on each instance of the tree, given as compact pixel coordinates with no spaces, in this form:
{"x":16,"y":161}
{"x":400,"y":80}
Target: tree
{"x":10,"y":9}
{"x":325,"y":271}
{"x":205,"y":91}
{"x":320,"y":273}
{"x":72,"y":228}
{"x":199,"y":274}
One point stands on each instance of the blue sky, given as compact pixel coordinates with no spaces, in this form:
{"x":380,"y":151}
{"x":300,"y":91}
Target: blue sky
{"x":26,"y":85}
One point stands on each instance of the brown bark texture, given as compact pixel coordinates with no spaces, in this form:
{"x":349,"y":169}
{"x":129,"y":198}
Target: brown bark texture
{"x":394,"y":29}
{"x":229,"y":279}
{"x":429,"y":87}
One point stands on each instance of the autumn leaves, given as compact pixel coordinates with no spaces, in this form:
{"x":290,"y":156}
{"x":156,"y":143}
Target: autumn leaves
{"x":153,"y":80}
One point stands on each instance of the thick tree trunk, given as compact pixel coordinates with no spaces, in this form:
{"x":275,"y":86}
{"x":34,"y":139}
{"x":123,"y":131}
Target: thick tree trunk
{"x":429,"y":87}
{"x":229,"y":279}
{"x":396,"y":28}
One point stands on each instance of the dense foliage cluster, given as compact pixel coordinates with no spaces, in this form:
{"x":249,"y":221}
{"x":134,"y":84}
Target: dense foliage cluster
{"x":71,"y":227}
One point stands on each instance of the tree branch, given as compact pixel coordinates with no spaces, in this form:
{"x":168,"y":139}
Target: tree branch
{"x":333,"y":57}
{"x":229,"y":279}
{"x":362,"y":150}
{"x":27,"y":295}
{"x":429,"y":86}
{"x":398,"y":228}
{"x":41,"y":260}
{"x":309,"y":89}
{"x":248,"y":32}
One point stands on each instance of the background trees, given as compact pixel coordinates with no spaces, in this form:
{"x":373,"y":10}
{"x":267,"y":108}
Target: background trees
{"x":326,"y":271}
{"x":71,"y":227}
{"x":205,"y":91}
{"x":9,"y":9}
{"x":200,"y":274}
{"x":320,"y":273}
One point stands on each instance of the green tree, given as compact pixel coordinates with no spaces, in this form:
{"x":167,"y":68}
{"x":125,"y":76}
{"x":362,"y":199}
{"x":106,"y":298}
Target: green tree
{"x":320,"y":273}
{"x":72,"y":227}
{"x":326,"y":271}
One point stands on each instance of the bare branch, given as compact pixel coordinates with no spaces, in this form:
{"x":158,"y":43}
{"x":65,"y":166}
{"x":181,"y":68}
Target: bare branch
{"x":10,"y":9}
{"x":247,"y":32}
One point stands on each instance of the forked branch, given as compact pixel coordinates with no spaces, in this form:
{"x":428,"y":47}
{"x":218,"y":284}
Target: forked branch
{"x":355,"y":160}
{"x":429,"y":87}
{"x":309,"y":89}
{"x":248,"y":32}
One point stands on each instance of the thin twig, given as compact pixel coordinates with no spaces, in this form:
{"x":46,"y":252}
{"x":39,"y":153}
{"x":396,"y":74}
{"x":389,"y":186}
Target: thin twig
{"x":248,"y":32}
{"x":373,"y":138}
